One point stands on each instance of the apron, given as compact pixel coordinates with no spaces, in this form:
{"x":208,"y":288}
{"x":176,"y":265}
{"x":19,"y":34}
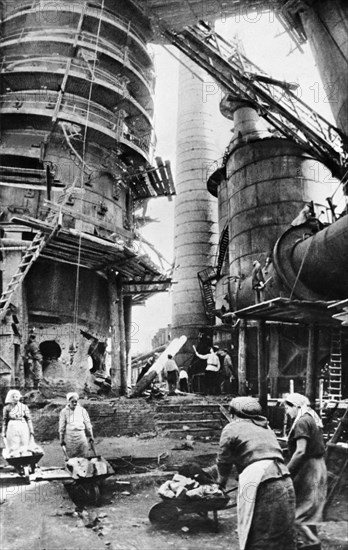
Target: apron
{"x":249,"y":481}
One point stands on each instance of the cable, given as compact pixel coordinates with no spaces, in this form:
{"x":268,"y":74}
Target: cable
{"x":77,"y":285}
{"x":299,"y":271}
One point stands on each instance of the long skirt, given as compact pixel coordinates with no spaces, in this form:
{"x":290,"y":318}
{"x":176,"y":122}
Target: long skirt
{"x":76,"y":443}
{"x":273,"y":523}
{"x":17,"y":436}
{"x":310,"y":488}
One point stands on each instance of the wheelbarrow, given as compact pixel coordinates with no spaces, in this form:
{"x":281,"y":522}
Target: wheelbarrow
{"x":87,"y":474}
{"x":24,"y":462}
{"x":168,"y":511}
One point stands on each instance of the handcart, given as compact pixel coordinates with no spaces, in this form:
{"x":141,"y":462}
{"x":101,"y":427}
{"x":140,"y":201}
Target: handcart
{"x":167,"y":512}
{"x":87,"y":476}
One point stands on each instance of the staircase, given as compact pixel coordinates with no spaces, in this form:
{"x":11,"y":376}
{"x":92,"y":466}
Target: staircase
{"x":223,"y":246}
{"x":177,"y":420}
{"x":335,"y":367}
{"x":206,"y":278}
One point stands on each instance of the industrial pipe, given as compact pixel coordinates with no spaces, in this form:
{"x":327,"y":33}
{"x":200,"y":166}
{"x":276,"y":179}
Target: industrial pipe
{"x":314,"y":267}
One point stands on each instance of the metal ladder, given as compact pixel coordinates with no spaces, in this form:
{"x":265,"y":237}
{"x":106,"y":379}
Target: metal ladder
{"x":222,"y":249}
{"x":273,"y":99}
{"x":335,"y":366}
{"x":205,"y":277}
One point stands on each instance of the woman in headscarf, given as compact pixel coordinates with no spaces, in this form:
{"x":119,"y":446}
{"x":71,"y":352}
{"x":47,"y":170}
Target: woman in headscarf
{"x":266,"y":498}
{"x":75,"y":427}
{"x":17,"y":431}
{"x":307,"y":464}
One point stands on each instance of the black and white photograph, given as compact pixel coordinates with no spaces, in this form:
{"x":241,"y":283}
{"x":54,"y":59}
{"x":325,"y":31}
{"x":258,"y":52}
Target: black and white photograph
{"x":173,"y":274}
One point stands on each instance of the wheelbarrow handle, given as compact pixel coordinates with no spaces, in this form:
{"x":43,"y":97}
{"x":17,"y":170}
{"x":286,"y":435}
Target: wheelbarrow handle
{"x":93,"y":447}
{"x":65,"y":452}
{"x":231,"y":490}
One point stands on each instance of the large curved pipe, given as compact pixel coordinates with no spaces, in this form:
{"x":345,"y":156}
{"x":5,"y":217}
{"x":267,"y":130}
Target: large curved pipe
{"x":314,"y":267}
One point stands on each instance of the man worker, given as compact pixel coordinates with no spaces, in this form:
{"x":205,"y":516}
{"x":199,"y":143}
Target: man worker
{"x":171,"y":371}
{"x":33,"y":360}
{"x":183,"y":380}
{"x":257,"y":281}
{"x":228,"y":377}
{"x":211,"y":370}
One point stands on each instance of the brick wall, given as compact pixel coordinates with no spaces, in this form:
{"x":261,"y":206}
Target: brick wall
{"x":109,"y":418}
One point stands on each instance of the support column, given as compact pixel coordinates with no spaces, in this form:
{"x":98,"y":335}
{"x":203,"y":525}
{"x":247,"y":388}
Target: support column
{"x":127,"y":306}
{"x":311,"y":374}
{"x":115,"y":373}
{"x":122,"y":333}
{"x":262,"y":364}
{"x":242,"y":357}
{"x":274,"y":359}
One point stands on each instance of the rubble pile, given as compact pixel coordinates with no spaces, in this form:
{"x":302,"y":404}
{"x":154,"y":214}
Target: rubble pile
{"x":181,"y":487}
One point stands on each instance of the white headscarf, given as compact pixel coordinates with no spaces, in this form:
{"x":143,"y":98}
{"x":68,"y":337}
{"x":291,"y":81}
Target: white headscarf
{"x":72,"y":394}
{"x":10,"y":395}
{"x":303,"y":405}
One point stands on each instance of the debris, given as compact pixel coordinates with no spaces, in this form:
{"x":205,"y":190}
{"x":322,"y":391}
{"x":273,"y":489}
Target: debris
{"x":185,"y":529}
{"x":89,"y":519}
{"x":125,"y":493}
{"x":147,"y":435}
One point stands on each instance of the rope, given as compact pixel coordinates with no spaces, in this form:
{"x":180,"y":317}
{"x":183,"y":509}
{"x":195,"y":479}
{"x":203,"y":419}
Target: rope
{"x":77,"y":285}
{"x":299,"y":271}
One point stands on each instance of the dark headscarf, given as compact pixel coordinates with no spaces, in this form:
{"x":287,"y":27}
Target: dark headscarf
{"x":248,"y":408}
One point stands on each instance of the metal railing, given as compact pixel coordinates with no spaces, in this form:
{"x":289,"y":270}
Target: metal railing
{"x":79,"y":107}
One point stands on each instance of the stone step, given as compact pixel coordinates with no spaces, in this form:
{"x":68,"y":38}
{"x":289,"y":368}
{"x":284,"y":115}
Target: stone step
{"x":214,"y":424}
{"x":199,"y":415}
{"x":187,"y":407}
{"x":195,"y":432}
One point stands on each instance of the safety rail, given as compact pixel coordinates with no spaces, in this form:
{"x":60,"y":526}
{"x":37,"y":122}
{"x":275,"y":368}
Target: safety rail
{"x":55,"y":64}
{"x":84,"y":38}
{"x":107,"y":15}
{"x":97,"y":114}
{"x":273,"y":99}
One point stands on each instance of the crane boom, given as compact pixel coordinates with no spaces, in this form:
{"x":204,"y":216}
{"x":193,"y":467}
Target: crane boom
{"x":273,"y":99}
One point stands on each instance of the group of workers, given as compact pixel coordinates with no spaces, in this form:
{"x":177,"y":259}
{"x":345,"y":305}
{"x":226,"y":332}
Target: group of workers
{"x":219,"y":374}
{"x":278,"y":503}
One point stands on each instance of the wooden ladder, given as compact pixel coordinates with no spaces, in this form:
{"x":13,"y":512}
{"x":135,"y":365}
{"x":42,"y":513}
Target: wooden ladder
{"x":31,"y":255}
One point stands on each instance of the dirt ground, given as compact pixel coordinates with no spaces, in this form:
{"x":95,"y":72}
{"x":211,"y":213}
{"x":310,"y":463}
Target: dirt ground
{"x":41,"y":516}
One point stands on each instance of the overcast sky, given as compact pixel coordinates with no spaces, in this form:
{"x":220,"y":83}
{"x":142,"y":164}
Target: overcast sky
{"x":267,"y":46}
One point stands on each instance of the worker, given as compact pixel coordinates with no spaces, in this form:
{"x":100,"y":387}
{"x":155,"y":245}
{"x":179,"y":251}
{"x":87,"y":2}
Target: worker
{"x":212,"y":369}
{"x":171,"y":373}
{"x":229,"y":380}
{"x":266,"y":497}
{"x":74,"y":427}
{"x":17,"y":428}
{"x":305,"y":214}
{"x":33,"y":361}
{"x":183,"y":380}
{"x":307,"y":465}
{"x":257,"y":281}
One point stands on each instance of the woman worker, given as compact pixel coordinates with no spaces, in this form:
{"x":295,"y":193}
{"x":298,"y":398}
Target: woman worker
{"x":17,"y":427}
{"x":74,"y":427}
{"x":307,"y":465}
{"x":266,"y":498}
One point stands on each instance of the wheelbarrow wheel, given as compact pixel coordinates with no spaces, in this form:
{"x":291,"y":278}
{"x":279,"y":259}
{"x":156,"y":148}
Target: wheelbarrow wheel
{"x":85,"y":493}
{"x":163,"y":513}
